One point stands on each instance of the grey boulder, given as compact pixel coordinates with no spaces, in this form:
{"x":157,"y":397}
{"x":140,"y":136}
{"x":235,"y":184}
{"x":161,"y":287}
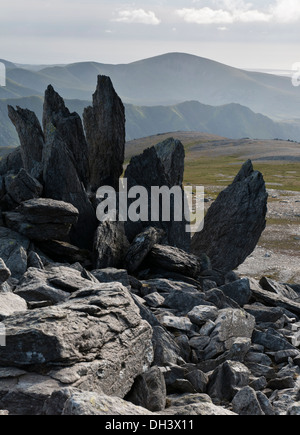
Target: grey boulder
{"x":235,"y":221}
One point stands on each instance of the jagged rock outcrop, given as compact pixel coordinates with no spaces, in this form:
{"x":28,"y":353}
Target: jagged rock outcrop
{"x":104,"y":125}
{"x":62,"y":183}
{"x":235,"y":221}
{"x":69,"y":127}
{"x":161,"y":165}
{"x":31,"y":138}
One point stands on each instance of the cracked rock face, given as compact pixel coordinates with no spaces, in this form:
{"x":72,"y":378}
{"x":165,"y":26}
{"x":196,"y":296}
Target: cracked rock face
{"x":235,"y":221}
{"x":101,"y":326}
{"x":104,"y":124}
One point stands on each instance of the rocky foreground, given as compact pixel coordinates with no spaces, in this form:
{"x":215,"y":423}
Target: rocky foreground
{"x":135,"y":319}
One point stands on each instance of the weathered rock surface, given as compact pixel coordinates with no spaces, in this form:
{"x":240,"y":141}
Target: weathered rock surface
{"x":13,"y":251}
{"x":31,"y":138}
{"x":62,"y":183}
{"x":176,"y":260}
{"x":23,"y":187}
{"x":104,"y":125}
{"x":110,"y":244}
{"x":235,"y":221}
{"x":91,"y":403}
{"x":161,"y":165}
{"x":70,"y":129}
{"x":10,"y":304}
{"x":141,"y":246}
{"x":98,"y":324}
{"x":43,"y":219}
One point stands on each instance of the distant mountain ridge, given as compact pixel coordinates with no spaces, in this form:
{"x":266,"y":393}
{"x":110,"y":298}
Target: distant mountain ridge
{"x":163,"y":80}
{"x":232,"y":120}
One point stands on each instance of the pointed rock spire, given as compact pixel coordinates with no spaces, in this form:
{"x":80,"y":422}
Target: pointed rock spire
{"x":104,"y":124}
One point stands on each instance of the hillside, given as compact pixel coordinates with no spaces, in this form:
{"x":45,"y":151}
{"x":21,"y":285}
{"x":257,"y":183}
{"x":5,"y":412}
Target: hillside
{"x":164,"y":80}
{"x":232,"y":120}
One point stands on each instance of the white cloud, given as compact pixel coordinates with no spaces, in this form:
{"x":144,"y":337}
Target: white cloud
{"x":238,"y":11}
{"x":138,"y":16}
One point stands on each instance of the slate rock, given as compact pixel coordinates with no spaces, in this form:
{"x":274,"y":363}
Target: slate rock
{"x":274,"y":287}
{"x":31,"y":138}
{"x":70,"y":128}
{"x":141,"y":246}
{"x":89,"y":403}
{"x":64,"y":252}
{"x":110,"y":245}
{"x":202,"y":313}
{"x":161,"y":165}
{"x":22,"y":187}
{"x":239,"y":291}
{"x":12,"y":163}
{"x":51,"y":285}
{"x":11,"y":303}
{"x":104,"y":125}
{"x":13,"y":251}
{"x":62,"y":183}
{"x":100,"y":324}
{"x":112,"y":275}
{"x":234,"y":222}
{"x":194,"y":404}
{"x":43,"y":219}
{"x":175,"y":260}
{"x":245,"y":402}
{"x":230,"y":325}
{"x":149,"y":390}
{"x":225,"y":380}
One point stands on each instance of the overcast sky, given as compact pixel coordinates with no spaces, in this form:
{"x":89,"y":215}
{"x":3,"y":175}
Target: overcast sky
{"x":241,"y":33}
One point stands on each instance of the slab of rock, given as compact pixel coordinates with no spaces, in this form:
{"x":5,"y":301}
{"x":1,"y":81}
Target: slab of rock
{"x":88,"y":403}
{"x":273,"y":299}
{"x":281,"y":290}
{"x":70,"y":128}
{"x":149,"y":390}
{"x":23,"y":187}
{"x":194,"y":404}
{"x":104,"y":125}
{"x":10,"y":304}
{"x":112,"y":275}
{"x":51,"y":285}
{"x":100,"y":325}
{"x":235,"y":221}
{"x":110,"y":245}
{"x":175,"y":260}
{"x":31,"y":138}
{"x":230,"y":325}
{"x":161,"y":165}
{"x":64,"y":252}
{"x":239,"y":291}
{"x":43,"y":219}
{"x":201,"y":314}
{"x":141,"y":246}
{"x":13,"y":251}
{"x":226,"y":379}
{"x":245,"y":402}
